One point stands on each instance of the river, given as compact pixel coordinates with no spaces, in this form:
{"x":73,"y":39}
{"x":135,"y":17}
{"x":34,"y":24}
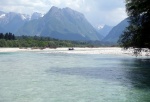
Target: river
{"x":62,"y":77}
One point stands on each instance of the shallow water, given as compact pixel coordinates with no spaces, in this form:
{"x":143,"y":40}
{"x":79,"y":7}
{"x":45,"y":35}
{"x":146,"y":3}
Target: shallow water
{"x":60,"y":77}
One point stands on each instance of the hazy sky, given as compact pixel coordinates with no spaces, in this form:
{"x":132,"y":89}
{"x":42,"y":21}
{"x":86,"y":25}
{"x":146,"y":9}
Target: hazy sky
{"x":109,"y":12}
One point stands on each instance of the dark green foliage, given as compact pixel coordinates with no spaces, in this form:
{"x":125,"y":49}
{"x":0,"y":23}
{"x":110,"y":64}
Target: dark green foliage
{"x":1,"y":36}
{"x":38,"y":42}
{"x":137,"y":34}
{"x":3,"y":43}
{"x":7,"y":36}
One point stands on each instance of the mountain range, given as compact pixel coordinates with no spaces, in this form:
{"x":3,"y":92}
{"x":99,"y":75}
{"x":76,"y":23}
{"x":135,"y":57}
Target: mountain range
{"x":11,"y":22}
{"x":65,"y":23}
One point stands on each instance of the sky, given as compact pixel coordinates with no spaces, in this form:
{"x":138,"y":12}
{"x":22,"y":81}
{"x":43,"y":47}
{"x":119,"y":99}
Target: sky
{"x":97,"y":12}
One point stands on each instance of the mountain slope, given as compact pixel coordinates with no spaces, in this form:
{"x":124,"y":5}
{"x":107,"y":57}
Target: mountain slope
{"x":11,"y":21}
{"x":61,"y":24}
{"x":105,"y":30}
{"x":36,"y":15}
{"x":116,"y":32}
{"x":2,"y":30}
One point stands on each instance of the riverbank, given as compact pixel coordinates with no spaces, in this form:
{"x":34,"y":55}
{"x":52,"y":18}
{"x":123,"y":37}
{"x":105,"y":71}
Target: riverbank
{"x":100,"y":50}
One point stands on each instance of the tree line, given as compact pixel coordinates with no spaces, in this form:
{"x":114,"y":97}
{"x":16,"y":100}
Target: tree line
{"x":7,"y":36}
{"x":38,"y":42}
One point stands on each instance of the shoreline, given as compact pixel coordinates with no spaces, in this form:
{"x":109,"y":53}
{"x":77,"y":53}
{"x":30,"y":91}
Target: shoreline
{"x":78,"y":50}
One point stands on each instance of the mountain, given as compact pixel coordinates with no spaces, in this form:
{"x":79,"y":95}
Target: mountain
{"x":2,"y":29}
{"x":65,"y":24}
{"x":36,"y":15}
{"x":2,"y":14}
{"x":104,"y":30}
{"x":115,"y":33}
{"x":12,"y":21}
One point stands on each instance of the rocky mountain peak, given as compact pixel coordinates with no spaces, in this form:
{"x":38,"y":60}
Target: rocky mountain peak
{"x":36,"y":15}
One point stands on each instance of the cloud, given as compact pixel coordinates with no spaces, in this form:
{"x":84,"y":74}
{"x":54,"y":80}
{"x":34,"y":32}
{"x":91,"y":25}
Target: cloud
{"x":108,"y":12}
{"x":116,"y":15}
{"x":105,"y":12}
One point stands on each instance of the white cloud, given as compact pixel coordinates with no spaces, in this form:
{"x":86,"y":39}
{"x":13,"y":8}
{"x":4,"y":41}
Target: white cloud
{"x":115,"y":16}
{"x":108,"y":12}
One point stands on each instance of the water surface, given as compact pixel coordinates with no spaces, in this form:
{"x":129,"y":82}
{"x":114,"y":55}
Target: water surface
{"x":61,"y":77}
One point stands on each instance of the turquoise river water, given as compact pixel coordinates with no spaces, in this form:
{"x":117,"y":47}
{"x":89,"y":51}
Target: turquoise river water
{"x":62,"y":77}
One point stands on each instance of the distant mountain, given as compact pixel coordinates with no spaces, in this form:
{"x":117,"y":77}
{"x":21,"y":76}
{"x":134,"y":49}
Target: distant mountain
{"x":11,"y":21}
{"x":2,"y":30}
{"x":116,"y":32}
{"x":65,"y":24}
{"x":36,"y":15}
{"x":61,"y":24}
{"x":2,"y":14}
{"x":104,"y":30}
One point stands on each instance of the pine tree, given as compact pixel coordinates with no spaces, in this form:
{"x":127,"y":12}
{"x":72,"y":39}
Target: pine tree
{"x":10,"y":36}
{"x":1,"y":36}
{"x":6,"y":36}
{"x":13,"y":37}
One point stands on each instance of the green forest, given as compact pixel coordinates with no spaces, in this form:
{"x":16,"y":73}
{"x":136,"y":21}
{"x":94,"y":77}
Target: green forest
{"x":10,"y":40}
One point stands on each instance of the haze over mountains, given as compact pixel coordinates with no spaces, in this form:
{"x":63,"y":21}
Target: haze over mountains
{"x":65,"y":24}
{"x":115,"y":33}
{"x":104,"y":30}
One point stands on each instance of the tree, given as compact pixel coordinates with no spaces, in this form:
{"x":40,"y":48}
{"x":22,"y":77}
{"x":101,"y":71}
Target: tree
{"x":1,"y":36}
{"x":10,"y":36}
{"x":137,"y":34}
{"x":3,"y":43}
{"x":6,"y":36}
{"x":13,"y":37}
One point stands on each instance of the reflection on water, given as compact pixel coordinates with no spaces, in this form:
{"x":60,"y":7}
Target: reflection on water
{"x":139,"y":73}
{"x":135,"y":72}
